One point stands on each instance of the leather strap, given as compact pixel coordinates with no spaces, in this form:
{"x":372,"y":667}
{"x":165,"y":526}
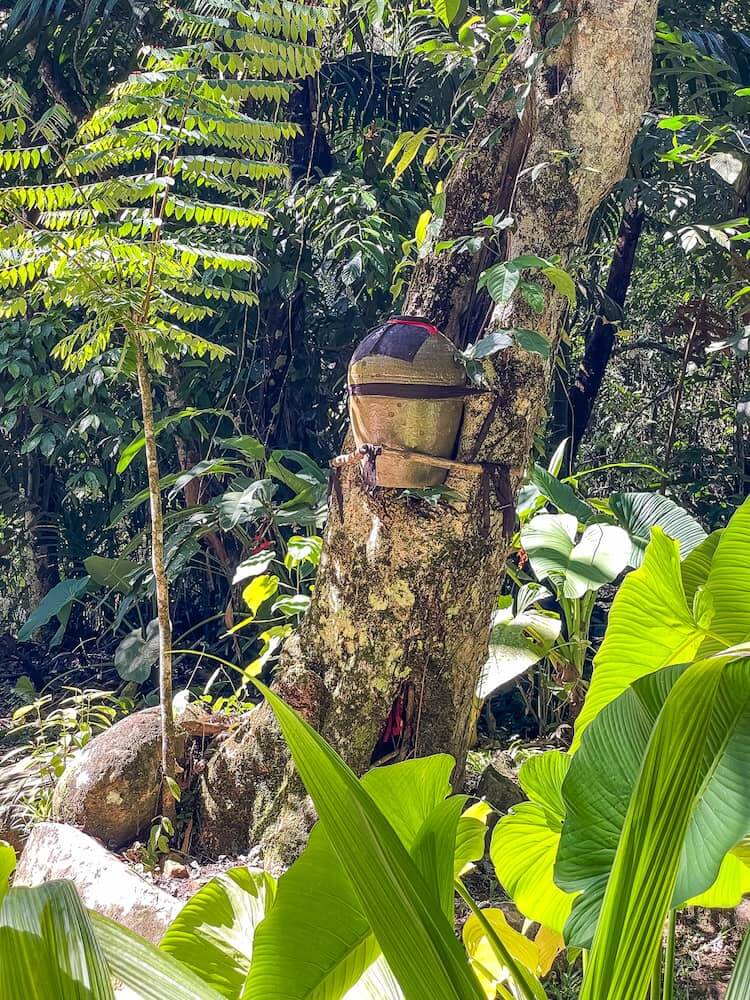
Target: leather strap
{"x":414,"y":390}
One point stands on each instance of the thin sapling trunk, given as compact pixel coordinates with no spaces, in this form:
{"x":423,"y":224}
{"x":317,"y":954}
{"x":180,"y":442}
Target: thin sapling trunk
{"x":161,"y":586}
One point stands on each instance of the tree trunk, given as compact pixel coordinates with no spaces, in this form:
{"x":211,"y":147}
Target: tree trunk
{"x":601,"y":338}
{"x":161,"y":586}
{"x":389,"y":653}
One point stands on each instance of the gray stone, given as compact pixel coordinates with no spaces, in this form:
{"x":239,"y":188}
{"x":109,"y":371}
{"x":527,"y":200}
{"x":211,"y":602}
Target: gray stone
{"x":111,"y":790}
{"x":499,"y":785}
{"x":104,"y":883}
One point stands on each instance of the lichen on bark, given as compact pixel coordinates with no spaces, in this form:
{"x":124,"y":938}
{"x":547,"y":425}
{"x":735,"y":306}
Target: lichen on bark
{"x":399,"y":621}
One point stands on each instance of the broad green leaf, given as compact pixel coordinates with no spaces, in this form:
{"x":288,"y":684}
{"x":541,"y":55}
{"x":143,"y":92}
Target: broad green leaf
{"x":574,"y":568}
{"x":293,"y":604}
{"x":378,"y":983}
{"x":642,"y":884}
{"x":492,"y":343}
{"x":650,"y":626}
{"x":532,"y":341}
{"x":136,"y":655}
{"x":48,"y":948}
{"x":332,"y":931}
{"x":403,"y":911}
{"x":414,"y":143}
{"x":639,"y":512}
{"x":258,"y":591}
{"x":490,"y":971}
{"x":254,"y":565}
{"x":728,"y":584}
{"x":562,"y":282}
{"x":447,"y":10}
{"x":562,"y":495}
{"x":501,"y":281}
{"x":525,"y":843}
{"x":303,"y":548}
{"x":249,"y":446}
{"x":517,"y":642}
{"x":697,"y":565}
{"x":213,"y":933}
{"x":732,"y":882}
{"x":130,"y":451}
{"x":7,"y":866}
{"x":605,"y":771}
{"x":56,"y":603}
{"x":471,"y":837}
{"x":148,"y":972}
{"x":111,"y":573}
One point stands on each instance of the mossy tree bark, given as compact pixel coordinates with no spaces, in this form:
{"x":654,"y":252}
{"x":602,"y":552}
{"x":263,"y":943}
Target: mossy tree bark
{"x":399,"y":624}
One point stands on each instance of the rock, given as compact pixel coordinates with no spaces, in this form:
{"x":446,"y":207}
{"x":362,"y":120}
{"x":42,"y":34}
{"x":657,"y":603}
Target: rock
{"x":251,"y":795}
{"x":512,"y":915}
{"x":499,"y":785}
{"x":111,"y":790}
{"x":174,"y":869}
{"x":104,"y":883}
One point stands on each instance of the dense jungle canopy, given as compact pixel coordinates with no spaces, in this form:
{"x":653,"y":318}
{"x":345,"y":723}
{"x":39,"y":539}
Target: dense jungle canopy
{"x":388,"y":362}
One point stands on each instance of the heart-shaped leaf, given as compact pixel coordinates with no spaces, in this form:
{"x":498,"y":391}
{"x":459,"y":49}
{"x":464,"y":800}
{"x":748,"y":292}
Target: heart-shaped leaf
{"x":136,"y":655}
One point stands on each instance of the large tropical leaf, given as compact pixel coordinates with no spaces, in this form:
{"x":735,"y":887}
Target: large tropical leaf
{"x":525,"y":843}
{"x":408,"y":795}
{"x":213,"y":933}
{"x":518,"y":639}
{"x":149,"y":974}
{"x":48,"y":948}
{"x":490,"y":970}
{"x":55,"y":604}
{"x":697,"y":565}
{"x":638,"y":513}
{"x":402,"y":909}
{"x":732,"y":882}
{"x":114,"y":574}
{"x":598,"y":558}
{"x":641,"y":886}
{"x":650,"y":626}
{"x":728,"y":585}
{"x":560,"y":494}
{"x":608,"y":766}
{"x":378,"y":983}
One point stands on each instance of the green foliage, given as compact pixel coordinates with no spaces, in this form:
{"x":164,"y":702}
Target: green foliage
{"x":48,"y":947}
{"x":396,"y":893}
{"x":44,"y":736}
{"x":213,"y":935}
{"x":126,"y":250}
{"x":664,"y":730}
{"x":651,"y":624}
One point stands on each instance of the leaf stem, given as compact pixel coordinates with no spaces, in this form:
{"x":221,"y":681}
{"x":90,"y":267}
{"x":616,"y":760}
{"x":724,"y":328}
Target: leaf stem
{"x":669,"y":960}
{"x":520,"y":975}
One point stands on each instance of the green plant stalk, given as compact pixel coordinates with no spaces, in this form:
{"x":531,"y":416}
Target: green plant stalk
{"x":669,"y":959}
{"x":519,"y":974}
{"x":655,"y":991}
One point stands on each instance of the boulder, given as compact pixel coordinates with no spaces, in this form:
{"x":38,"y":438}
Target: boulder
{"x":104,"y":883}
{"x":111,"y":789}
{"x":499,"y":785}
